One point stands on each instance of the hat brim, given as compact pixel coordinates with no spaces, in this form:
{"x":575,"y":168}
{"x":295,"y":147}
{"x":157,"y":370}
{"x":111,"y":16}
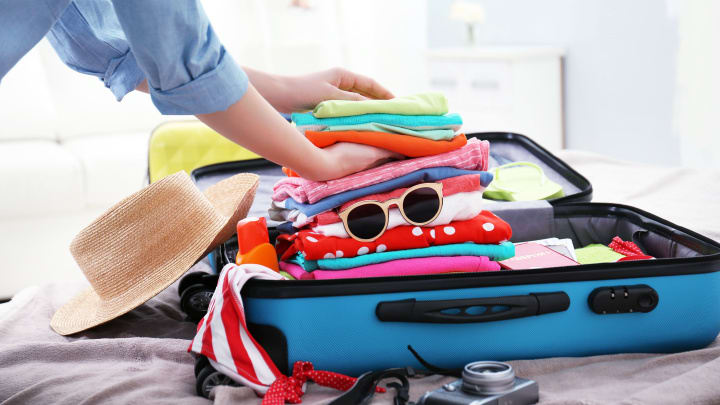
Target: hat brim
{"x":231,"y":198}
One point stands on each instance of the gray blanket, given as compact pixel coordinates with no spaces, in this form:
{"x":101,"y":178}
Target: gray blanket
{"x":141,"y":357}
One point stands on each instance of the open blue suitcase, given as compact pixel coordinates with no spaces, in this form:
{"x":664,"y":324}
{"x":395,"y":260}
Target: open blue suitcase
{"x":356,"y":325}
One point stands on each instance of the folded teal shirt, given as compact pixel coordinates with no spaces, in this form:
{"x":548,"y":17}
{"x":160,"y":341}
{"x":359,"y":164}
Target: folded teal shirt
{"x":405,"y":121}
{"x":502,"y":251}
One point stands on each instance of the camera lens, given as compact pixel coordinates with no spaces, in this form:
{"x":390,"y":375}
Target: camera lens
{"x":488,"y":378}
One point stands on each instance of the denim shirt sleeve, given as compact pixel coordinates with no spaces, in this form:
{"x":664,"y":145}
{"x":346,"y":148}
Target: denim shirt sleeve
{"x":22,"y":24}
{"x":187,"y":68}
{"x":89,"y":39}
{"x":169,"y":42}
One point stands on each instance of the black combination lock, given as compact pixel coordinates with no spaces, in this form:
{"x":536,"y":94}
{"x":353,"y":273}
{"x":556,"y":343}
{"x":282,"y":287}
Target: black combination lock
{"x":623,"y":299}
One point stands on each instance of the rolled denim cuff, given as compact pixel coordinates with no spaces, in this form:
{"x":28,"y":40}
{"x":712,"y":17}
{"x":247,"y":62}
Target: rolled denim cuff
{"x":213,"y":91}
{"x":123,"y":75}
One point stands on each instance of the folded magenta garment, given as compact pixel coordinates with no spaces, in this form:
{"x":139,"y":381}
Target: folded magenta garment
{"x":402,"y":267}
{"x":498,"y":252}
{"x":418,"y":176}
{"x":416,"y":122}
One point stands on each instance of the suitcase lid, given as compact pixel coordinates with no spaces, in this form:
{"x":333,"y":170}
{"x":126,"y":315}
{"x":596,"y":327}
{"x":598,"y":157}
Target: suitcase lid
{"x":508,"y":145}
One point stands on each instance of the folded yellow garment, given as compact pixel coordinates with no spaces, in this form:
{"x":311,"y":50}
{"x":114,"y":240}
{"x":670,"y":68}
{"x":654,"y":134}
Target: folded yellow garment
{"x":420,"y":104}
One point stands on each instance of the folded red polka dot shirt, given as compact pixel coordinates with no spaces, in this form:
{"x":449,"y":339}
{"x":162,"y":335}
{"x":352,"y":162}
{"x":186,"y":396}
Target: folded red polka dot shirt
{"x":486,"y":228}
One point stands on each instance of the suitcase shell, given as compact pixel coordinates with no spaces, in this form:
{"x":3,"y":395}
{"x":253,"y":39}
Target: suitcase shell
{"x":187,"y":145}
{"x":355,"y":325}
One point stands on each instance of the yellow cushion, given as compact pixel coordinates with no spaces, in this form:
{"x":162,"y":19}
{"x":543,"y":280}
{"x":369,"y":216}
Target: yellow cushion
{"x":187,"y":145}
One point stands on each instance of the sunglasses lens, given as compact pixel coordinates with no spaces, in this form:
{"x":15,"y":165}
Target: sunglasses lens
{"x":421,"y":205}
{"x":366,"y":221}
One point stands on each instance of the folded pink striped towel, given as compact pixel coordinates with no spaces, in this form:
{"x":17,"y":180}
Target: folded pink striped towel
{"x":472,"y":156}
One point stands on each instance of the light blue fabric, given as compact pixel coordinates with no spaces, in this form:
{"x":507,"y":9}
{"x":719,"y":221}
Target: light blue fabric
{"x":23,"y":23}
{"x":169,"y":42}
{"x":406,"y":121}
{"x":418,"y":176}
{"x":89,"y":39}
{"x":502,"y":251}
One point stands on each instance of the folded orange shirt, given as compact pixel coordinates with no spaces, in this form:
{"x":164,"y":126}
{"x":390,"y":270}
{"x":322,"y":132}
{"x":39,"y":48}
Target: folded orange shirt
{"x":407,"y":145}
{"x":289,"y":172}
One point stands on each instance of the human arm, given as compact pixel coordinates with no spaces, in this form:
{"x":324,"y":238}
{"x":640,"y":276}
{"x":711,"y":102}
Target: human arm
{"x":22,"y":25}
{"x":253,"y":123}
{"x":168,"y":49}
{"x":189,"y":72}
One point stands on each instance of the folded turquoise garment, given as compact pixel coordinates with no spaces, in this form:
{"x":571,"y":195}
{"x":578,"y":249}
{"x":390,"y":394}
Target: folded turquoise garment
{"x":502,"y":251}
{"x":417,"y":122}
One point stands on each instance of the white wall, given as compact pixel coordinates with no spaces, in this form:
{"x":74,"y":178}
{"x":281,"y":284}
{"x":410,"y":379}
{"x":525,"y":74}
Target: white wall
{"x":697,"y":113}
{"x":620,"y":66}
{"x":384,"y":40}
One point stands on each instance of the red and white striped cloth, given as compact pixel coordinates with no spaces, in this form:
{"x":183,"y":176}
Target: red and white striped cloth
{"x":472,"y":156}
{"x":222,"y":335}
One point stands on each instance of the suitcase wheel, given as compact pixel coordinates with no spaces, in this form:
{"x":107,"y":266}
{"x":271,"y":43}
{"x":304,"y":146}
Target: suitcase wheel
{"x":208,"y":378}
{"x":195,"y":300}
{"x":189,"y":279}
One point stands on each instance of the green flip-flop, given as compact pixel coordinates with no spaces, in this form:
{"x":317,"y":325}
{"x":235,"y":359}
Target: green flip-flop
{"x":521,"y":181}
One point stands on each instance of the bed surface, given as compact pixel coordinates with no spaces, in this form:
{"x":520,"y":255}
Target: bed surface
{"x":142,"y":356}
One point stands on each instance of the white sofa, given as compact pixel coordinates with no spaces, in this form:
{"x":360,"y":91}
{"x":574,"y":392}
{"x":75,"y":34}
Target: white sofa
{"x":68,"y":151}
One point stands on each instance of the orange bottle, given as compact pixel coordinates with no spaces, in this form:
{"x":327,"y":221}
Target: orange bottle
{"x":254,"y":244}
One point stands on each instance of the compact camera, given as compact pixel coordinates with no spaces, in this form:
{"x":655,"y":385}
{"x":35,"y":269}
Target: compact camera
{"x":485,"y":382}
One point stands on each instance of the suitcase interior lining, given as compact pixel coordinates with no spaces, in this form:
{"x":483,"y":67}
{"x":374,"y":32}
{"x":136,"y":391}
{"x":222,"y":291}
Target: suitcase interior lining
{"x":598,"y":223}
{"x":583,"y":223}
{"x":680,"y":252}
{"x":585,"y":230}
{"x":516,"y":153}
{"x":511,"y":146}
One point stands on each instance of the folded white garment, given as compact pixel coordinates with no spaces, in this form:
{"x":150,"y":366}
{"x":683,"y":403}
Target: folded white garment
{"x":456,"y":207}
{"x":278,"y":212}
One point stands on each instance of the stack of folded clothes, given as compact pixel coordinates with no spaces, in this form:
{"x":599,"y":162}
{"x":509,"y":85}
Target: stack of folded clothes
{"x":421,"y":215}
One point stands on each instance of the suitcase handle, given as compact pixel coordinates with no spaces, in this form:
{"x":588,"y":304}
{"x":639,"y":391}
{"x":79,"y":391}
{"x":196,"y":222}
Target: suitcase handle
{"x":472,"y":310}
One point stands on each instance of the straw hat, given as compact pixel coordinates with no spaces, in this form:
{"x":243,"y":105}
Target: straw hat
{"x":145,"y":242}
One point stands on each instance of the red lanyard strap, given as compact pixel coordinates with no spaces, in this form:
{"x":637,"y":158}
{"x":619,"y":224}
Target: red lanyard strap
{"x":290,"y":389}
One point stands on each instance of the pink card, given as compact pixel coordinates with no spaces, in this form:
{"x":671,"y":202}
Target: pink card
{"x":535,"y":256}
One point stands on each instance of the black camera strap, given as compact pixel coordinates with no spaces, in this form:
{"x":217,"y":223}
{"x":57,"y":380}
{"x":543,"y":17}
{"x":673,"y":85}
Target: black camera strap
{"x":364,"y":388}
{"x":434,"y":369}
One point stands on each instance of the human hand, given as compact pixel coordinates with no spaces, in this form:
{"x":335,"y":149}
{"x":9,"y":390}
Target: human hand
{"x":334,"y":84}
{"x":298,"y":93}
{"x":345,"y":158}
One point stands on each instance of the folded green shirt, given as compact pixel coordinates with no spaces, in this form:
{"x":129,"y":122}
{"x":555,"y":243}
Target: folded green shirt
{"x":597,"y":253}
{"x":419,"y":104}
